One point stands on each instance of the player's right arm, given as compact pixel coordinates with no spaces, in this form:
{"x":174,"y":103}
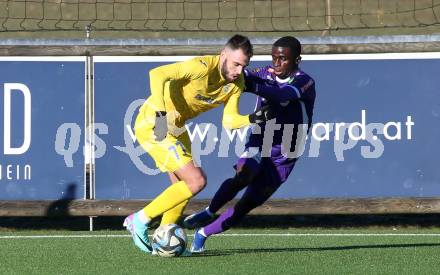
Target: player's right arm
{"x":273,"y":91}
{"x":189,"y":70}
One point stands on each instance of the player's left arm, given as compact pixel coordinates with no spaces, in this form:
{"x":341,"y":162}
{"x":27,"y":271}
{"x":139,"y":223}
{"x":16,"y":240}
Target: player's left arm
{"x":232,"y":119}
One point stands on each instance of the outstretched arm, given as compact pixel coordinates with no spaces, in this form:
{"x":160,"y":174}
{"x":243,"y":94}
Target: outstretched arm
{"x":232,"y":119}
{"x":273,"y":91}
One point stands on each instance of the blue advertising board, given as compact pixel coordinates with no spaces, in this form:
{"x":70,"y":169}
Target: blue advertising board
{"x":375,"y":131}
{"x":42,"y":122}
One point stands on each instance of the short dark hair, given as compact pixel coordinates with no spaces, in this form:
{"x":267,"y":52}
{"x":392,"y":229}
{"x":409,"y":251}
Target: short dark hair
{"x":241,"y":42}
{"x":289,"y":42}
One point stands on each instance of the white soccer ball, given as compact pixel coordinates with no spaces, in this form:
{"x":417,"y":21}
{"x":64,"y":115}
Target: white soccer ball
{"x":169,"y":240}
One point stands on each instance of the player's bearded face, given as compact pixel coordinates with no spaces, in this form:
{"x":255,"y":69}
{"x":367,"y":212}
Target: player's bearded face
{"x":283,"y":61}
{"x":232,"y":63}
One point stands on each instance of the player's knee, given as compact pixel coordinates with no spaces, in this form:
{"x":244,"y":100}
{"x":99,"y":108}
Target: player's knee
{"x":244,"y":177}
{"x":197,"y":183}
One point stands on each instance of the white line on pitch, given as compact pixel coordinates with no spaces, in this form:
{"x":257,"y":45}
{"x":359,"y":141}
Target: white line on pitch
{"x":62,"y":236}
{"x":331,"y":234}
{"x":244,"y":235}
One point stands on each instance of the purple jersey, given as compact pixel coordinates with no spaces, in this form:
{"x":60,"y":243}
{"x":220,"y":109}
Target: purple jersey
{"x":292,"y":99}
{"x":262,"y":172}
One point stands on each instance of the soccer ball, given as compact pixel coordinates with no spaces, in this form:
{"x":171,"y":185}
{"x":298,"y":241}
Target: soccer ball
{"x":169,"y":240}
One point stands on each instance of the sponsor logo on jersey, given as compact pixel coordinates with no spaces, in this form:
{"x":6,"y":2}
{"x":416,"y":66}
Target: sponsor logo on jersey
{"x":205,"y":99}
{"x":226,"y":88}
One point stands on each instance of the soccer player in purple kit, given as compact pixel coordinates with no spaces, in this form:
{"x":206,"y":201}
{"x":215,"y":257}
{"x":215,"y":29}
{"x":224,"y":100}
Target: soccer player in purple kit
{"x":290,"y":93}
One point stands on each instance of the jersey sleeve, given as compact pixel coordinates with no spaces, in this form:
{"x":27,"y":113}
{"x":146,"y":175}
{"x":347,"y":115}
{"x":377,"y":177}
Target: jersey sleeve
{"x":274,"y":91}
{"x":189,"y":70}
{"x":253,"y":77}
{"x":231,"y":116}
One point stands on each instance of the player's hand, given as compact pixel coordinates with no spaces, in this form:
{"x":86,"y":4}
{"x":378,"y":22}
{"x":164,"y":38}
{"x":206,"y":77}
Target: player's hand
{"x":160,"y":126}
{"x":263,"y":114}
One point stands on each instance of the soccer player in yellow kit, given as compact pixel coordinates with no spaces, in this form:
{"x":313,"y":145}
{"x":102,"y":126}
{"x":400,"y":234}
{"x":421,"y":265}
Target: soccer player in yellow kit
{"x":179,"y":92}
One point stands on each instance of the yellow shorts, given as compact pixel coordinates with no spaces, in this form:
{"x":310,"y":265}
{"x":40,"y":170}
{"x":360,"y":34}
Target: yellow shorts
{"x":171,"y":153}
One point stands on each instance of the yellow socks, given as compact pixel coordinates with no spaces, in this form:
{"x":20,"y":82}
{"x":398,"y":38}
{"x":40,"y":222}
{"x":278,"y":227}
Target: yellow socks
{"x":173,"y":215}
{"x":173,"y":196}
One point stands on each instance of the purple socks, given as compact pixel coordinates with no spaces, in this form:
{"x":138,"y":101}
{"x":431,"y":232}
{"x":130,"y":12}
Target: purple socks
{"x":217,"y":226}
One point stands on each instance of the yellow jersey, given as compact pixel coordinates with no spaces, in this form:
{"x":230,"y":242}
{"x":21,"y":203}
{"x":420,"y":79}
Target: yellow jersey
{"x":186,"y":89}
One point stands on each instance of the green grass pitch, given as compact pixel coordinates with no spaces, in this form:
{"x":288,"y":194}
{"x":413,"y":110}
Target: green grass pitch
{"x":240,"y":251}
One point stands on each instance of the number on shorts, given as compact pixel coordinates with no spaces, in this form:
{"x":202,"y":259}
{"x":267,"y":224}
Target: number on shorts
{"x":174,"y":149}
